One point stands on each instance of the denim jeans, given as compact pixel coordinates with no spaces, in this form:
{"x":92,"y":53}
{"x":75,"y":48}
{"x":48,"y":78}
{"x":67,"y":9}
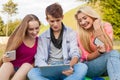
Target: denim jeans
{"x":79,"y":73}
{"x":109,"y":62}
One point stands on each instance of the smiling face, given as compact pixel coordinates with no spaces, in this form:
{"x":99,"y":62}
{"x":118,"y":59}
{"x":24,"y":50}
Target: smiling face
{"x":84,"y":21}
{"x":33,"y":29}
{"x":55,"y":23}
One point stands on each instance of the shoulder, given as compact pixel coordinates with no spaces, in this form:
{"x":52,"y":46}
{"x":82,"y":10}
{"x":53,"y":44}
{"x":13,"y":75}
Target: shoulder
{"x":70,"y":33}
{"x":45,"y":34}
{"x":107,"y":26}
{"x":69,"y":30}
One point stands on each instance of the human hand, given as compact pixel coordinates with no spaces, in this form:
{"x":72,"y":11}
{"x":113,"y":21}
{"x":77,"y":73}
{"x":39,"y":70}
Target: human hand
{"x":5,"y":58}
{"x":68,"y":72}
{"x":97,"y":24}
{"x":101,"y":48}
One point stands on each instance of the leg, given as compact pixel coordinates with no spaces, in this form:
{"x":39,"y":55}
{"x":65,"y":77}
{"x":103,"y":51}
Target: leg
{"x":22,"y":72}
{"x":113,"y":65}
{"x":97,"y":66}
{"x":35,"y":74}
{"x":6,"y":71}
{"x":80,"y":71}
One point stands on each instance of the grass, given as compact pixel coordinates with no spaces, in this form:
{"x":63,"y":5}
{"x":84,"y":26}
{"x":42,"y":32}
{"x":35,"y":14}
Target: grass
{"x":105,"y":78}
{"x":116,"y":46}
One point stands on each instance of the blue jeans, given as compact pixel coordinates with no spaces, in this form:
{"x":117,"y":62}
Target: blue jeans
{"x":80,"y":71}
{"x":109,"y":62}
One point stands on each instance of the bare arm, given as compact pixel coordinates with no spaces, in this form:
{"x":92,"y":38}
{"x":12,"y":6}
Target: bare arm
{"x":73,"y":61}
{"x":93,"y":55}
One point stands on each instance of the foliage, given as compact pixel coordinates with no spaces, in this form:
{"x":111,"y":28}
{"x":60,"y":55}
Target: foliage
{"x":111,"y":13}
{"x":13,"y":25}
{"x":110,"y":10}
{"x":1,"y":27}
{"x":10,"y":8}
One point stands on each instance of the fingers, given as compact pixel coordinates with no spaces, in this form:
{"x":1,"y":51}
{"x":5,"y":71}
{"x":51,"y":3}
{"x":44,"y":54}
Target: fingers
{"x":97,"y":24}
{"x":68,"y":72}
{"x":101,"y":48}
{"x":5,"y":59}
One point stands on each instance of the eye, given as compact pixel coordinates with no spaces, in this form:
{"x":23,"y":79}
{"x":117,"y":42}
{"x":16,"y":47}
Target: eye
{"x":37,"y":28}
{"x":30,"y":29}
{"x":85,"y":17}
{"x":51,"y":21}
{"x":57,"y":20}
{"x":79,"y":20}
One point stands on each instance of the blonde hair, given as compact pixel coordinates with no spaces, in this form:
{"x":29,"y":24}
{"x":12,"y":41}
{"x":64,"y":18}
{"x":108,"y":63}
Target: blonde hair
{"x":19,"y":33}
{"x":85,"y":35}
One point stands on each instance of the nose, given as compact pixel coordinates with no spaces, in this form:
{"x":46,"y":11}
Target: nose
{"x":35,"y":31}
{"x":83,"y":22}
{"x":55,"y":23}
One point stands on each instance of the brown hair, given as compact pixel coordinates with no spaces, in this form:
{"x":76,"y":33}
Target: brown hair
{"x":19,"y":33}
{"x":55,"y":10}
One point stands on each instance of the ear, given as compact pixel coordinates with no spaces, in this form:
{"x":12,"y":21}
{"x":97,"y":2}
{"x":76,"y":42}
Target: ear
{"x":47,"y":19}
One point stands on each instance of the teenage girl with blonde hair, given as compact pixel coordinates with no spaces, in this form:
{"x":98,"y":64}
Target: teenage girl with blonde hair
{"x":95,"y":39}
{"x":24,"y":41}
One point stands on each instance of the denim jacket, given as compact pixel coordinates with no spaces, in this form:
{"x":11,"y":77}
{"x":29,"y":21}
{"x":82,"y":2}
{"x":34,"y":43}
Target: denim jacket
{"x":69,"y":47}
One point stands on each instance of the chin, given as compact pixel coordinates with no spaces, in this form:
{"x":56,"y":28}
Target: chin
{"x":55,"y":30}
{"x":88,"y":27}
{"x":33,"y":37}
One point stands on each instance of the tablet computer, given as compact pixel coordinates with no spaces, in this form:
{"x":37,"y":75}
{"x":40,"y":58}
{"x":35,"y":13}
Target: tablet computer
{"x":52,"y":70}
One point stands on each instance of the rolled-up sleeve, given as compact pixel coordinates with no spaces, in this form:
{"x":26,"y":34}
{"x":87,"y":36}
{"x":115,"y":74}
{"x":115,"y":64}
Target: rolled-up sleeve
{"x":74,"y":50}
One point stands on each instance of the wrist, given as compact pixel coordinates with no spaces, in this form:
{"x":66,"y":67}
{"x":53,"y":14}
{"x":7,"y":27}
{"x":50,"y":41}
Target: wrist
{"x":100,"y":52}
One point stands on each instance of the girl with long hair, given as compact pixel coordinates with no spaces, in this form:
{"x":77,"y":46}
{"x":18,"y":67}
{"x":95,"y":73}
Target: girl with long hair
{"x":24,"y":42}
{"x":95,"y":40}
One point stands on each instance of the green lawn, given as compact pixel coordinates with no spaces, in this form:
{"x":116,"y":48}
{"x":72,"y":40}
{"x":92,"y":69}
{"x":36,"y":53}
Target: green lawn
{"x":105,"y":78}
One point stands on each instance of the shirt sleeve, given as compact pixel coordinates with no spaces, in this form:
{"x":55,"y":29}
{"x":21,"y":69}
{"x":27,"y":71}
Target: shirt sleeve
{"x":74,"y":51}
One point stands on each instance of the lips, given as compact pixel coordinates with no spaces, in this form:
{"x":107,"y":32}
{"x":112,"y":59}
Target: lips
{"x":86,"y":24}
{"x":55,"y":27}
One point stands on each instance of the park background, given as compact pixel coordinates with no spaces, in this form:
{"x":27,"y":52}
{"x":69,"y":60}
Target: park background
{"x":108,"y":9}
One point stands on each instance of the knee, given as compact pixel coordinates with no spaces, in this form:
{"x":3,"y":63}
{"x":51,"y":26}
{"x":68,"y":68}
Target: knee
{"x":32,"y":73}
{"x":81,"y":67}
{"x":8,"y":64}
{"x":114,"y":53}
{"x":27,"y":65}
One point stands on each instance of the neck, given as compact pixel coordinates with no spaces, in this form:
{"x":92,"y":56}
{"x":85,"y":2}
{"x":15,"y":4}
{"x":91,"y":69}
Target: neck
{"x":91,"y":29}
{"x":56,"y":34}
{"x":27,"y":38}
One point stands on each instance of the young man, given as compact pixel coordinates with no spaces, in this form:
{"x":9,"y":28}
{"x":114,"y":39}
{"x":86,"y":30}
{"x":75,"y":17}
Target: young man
{"x":58,"y":45}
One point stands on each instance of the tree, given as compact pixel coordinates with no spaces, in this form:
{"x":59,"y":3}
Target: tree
{"x":13,"y":25}
{"x":9,"y":8}
{"x":1,"y":27}
{"x":110,"y":11}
